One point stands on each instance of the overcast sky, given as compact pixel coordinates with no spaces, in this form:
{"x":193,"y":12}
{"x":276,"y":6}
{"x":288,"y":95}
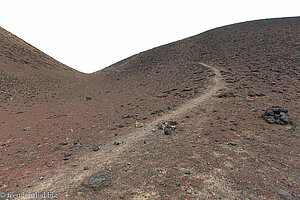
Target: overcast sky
{"x":89,"y":35}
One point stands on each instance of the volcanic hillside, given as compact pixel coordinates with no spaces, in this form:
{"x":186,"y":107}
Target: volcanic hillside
{"x":193,"y":119}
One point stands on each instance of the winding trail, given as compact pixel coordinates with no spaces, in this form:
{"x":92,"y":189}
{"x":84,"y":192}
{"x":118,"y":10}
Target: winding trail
{"x":66,"y":179}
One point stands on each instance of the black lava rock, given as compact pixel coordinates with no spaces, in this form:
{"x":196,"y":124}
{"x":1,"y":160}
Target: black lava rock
{"x":88,"y":98}
{"x":226,"y":95}
{"x":119,"y":125}
{"x":253,"y":94}
{"x":167,"y":131}
{"x":127,"y":115}
{"x":95,"y":148}
{"x":277,"y":115}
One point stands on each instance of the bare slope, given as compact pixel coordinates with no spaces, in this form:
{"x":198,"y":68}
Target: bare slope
{"x":221,"y":148}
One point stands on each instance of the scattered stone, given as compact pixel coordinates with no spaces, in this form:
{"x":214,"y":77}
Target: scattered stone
{"x":167,"y":131}
{"x":127,"y":115}
{"x":63,"y":143}
{"x":67,"y":154}
{"x":234,"y":123}
{"x":198,"y":72}
{"x":226,"y":95}
{"x":85,"y":168}
{"x":159,"y":112}
{"x":88,"y":98}
{"x":162,"y":96}
{"x":170,"y":90}
{"x":253,"y":94}
{"x":254,"y":110}
{"x":28,"y":128}
{"x":232,"y":143}
{"x":277,"y":91}
{"x":167,"y":126}
{"x":96,"y":181}
{"x":171,"y":122}
{"x":187,"y":89}
{"x":95,"y":148}
{"x":277,"y":115}
{"x":160,"y":126}
{"x":117,"y":143}
{"x":206,"y":142}
{"x":139,"y":124}
{"x":119,"y":125}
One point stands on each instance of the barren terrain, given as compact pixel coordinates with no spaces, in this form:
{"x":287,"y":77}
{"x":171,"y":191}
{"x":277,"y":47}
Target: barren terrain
{"x":187,"y":120}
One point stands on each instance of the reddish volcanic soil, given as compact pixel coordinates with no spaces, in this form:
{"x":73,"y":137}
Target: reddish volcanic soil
{"x":108,"y":135}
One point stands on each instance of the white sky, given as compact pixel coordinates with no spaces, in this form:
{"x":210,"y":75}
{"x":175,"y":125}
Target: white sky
{"x":89,"y":35}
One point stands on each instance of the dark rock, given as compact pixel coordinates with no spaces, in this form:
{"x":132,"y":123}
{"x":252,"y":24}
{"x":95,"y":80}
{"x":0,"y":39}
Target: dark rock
{"x":207,"y":132}
{"x":170,"y":90}
{"x":63,"y":143}
{"x":198,"y":72}
{"x":277,"y":91}
{"x":119,"y":125}
{"x":117,"y":143}
{"x":96,"y":181}
{"x":277,"y":115}
{"x":254,"y":109}
{"x":167,"y":131}
{"x":127,"y":115}
{"x":162,"y":96}
{"x":28,"y":128}
{"x":171,"y":122}
{"x":88,"y":98}
{"x":234,"y":122}
{"x":253,"y":94}
{"x":67,"y":154}
{"x":232,"y":143}
{"x":95,"y":148}
{"x":160,"y":126}
{"x":187,"y":89}
{"x":226,"y":95}
{"x":159,"y":112}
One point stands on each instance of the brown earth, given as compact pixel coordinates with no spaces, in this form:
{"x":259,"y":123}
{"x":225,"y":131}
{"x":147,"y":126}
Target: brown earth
{"x":221,"y":148}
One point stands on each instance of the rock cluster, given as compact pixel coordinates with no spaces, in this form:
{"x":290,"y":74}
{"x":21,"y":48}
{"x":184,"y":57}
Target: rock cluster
{"x":277,"y":115}
{"x":167,"y":126}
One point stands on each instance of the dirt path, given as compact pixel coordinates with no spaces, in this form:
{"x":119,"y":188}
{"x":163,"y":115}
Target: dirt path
{"x":66,"y":179}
